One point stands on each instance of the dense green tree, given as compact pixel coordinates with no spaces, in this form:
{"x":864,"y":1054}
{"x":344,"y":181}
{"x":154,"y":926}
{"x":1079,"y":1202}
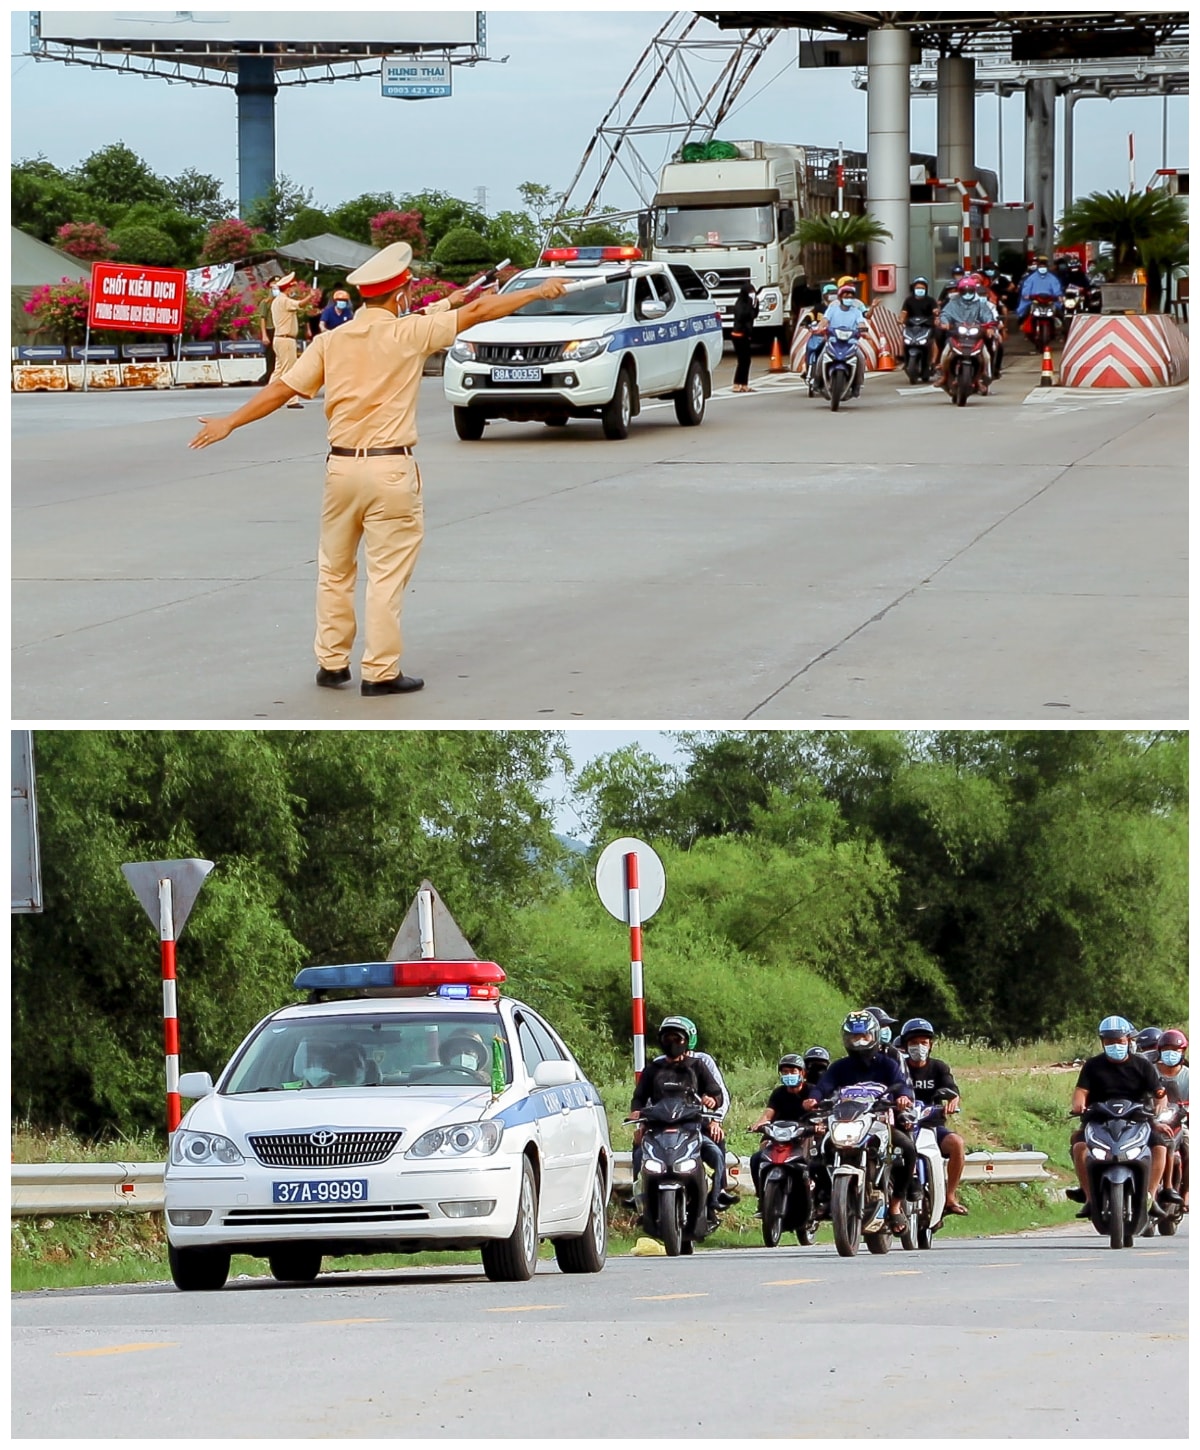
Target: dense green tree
{"x":512,"y":234}
{"x":461,"y":254}
{"x":441,"y":213}
{"x":118,"y":176}
{"x":274,"y":210}
{"x":150,"y":246}
{"x":309,"y":221}
{"x":45,"y":198}
{"x":199,"y":195}
{"x":353,"y":218}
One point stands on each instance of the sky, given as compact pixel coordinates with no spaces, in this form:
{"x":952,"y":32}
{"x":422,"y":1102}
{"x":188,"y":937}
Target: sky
{"x":584,"y":746}
{"x":528,"y":119}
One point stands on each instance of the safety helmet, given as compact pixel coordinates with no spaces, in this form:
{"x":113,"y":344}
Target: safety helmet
{"x":882,"y":1017}
{"x":848,"y":291}
{"x":916,"y":1026}
{"x":846,"y":282}
{"x":967,"y":284}
{"x":1147,"y":1039}
{"x":829,"y":289}
{"x":1173,"y":1040}
{"x":791,"y":1059}
{"x":860,"y":1034}
{"x":692,"y":1034}
{"x":1116,"y":1027}
{"x":817,"y":1054}
{"x":920,"y":281}
{"x":674,"y":1025}
{"x":957,"y":271}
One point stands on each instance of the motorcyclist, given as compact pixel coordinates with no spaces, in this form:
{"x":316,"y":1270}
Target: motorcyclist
{"x":967,"y":309}
{"x":1173,"y":1073}
{"x":864,"y":1062}
{"x":783,"y":1105}
{"x":810,"y":318}
{"x":816,"y":1060}
{"x":929,"y":1075}
{"x":989,"y":286}
{"x":678,"y":1065}
{"x":856,"y":300}
{"x":1145,"y":1044}
{"x":1041,"y":282}
{"x":713,"y":1148}
{"x":847,"y":311}
{"x":920,"y":307}
{"x":886,"y":1023}
{"x":1117,"y":1073}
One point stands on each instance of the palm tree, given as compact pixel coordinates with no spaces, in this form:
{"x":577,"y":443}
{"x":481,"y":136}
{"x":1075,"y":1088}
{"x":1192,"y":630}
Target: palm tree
{"x":1134,"y":222}
{"x":845,"y":234}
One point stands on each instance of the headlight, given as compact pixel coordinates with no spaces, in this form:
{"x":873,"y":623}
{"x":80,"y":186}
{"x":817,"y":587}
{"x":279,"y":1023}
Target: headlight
{"x":588,"y":348}
{"x":846,"y":1135}
{"x":651,"y":1165}
{"x":1099,"y":1152}
{"x":686,"y":1165}
{"x":457,"y":1139}
{"x":463,"y":351}
{"x":203,"y":1150}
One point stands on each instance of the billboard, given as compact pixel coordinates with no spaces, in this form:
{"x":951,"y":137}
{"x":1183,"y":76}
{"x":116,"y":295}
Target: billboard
{"x":201,"y":32}
{"x":416,"y":77}
{"x":137,"y":299}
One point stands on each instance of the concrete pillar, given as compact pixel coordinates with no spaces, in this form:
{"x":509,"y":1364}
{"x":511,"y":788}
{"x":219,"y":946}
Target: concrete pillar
{"x":1039,"y":160}
{"x":888,"y":148}
{"x":1069,"y":100}
{"x":256,"y":128}
{"x":956,"y":118}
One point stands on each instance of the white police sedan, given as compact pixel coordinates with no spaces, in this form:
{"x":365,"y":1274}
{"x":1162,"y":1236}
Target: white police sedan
{"x":406,"y":1106}
{"x":625,"y":330}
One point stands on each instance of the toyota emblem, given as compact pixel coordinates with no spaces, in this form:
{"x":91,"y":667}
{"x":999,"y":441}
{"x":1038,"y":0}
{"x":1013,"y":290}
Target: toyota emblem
{"x":323,"y":1138}
{"x":712,"y":280}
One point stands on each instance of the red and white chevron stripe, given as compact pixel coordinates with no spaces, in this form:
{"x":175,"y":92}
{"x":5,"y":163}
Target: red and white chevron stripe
{"x":1124,"y":352}
{"x":882,"y":325}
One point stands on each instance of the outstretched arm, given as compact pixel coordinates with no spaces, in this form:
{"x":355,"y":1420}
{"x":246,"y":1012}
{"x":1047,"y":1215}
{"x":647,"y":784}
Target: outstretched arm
{"x":261,"y":405}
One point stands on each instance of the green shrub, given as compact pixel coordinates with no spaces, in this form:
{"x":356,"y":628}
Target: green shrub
{"x":461,"y":254}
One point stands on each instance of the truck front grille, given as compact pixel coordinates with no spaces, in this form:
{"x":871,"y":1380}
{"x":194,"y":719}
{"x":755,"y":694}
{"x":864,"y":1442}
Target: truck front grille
{"x":511,"y":352}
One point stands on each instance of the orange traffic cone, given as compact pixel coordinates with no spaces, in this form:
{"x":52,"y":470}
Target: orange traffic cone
{"x":1047,"y":378}
{"x":777,"y":363}
{"x":887,"y":363}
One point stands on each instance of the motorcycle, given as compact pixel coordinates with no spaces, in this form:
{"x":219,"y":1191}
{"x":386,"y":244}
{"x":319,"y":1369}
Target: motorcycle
{"x":1172,"y":1120}
{"x":789,"y":1190}
{"x":1041,"y":323}
{"x":926,"y":1204}
{"x":859,"y":1148}
{"x":964,"y":361}
{"x":916,"y":351}
{"x":1073,"y":306}
{"x":672,"y":1195}
{"x":838,"y":364}
{"x":1117,"y":1135}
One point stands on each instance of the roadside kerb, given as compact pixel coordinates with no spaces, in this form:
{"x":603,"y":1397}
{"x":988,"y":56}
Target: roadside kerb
{"x":68,"y":1188}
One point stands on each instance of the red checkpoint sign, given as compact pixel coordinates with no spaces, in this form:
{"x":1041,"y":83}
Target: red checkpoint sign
{"x":125,"y":298}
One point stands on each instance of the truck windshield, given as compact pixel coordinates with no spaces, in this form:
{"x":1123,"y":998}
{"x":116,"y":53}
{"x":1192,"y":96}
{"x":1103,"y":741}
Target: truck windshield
{"x":687,"y":228}
{"x":595,"y":302}
{"x":442,"y":1049}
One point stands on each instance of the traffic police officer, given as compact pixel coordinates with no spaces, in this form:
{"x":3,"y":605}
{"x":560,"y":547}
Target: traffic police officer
{"x":371,"y":370}
{"x":285,"y":326}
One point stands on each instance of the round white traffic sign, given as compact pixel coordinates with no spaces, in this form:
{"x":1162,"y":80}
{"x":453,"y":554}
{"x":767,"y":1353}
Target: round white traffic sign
{"x":610,"y":878}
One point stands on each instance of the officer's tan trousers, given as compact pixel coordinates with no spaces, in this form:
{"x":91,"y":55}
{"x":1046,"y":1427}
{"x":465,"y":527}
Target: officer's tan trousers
{"x":376,"y":501}
{"x":285,"y":356}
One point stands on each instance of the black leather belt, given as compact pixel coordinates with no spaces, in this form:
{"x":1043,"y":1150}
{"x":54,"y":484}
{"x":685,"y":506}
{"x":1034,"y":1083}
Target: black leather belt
{"x":368,"y":452}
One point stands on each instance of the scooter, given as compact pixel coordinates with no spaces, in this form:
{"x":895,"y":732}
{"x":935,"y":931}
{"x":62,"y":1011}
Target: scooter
{"x":1117,"y":1136}
{"x":1041,"y":323}
{"x":839,"y":364}
{"x":788,"y":1199}
{"x":926,"y":1204}
{"x":916,"y":351}
{"x":672,"y":1195}
{"x":964,"y":362}
{"x":1073,"y":306}
{"x":859,"y":1148}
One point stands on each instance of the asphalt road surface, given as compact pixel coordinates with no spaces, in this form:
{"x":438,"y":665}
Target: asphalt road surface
{"x":1048,"y":1335}
{"x":1022,"y":558}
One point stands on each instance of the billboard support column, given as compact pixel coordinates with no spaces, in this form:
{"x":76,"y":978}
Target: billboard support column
{"x":888,"y":56}
{"x":256,"y":128}
{"x":1040,"y":96}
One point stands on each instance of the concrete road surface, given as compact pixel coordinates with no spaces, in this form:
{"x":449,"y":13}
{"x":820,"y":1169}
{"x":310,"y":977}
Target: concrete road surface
{"x":1022,"y":558}
{"x":1051,"y":1335}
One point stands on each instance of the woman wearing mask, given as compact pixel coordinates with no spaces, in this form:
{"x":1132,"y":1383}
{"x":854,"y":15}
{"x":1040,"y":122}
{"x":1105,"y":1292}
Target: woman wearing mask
{"x":783,"y":1104}
{"x":745,"y":310}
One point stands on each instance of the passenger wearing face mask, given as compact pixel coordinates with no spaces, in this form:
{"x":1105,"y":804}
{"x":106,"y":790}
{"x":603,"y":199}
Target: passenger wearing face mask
{"x":929,"y":1075}
{"x":338,"y":311}
{"x":784,"y":1105}
{"x":1041,"y":282}
{"x":886,"y":1045}
{"x":1173,"y":1073}
{"x":1117,"y":1073}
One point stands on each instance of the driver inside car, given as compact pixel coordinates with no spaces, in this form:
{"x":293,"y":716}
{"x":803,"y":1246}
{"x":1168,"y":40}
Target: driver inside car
{"x":465,"y":1051}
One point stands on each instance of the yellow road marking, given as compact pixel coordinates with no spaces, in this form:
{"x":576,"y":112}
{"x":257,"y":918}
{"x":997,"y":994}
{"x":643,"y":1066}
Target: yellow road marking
{"x":653,"y":1298}
{"x":521,"y":1308}
{"x":1151,"y":1253}
{"x":313,"y":1322}
{"x":111,"y":1349}
{"x":777,"y":1283}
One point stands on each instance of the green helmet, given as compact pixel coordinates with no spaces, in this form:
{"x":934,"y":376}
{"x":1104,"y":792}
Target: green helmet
{"x":691,"y":1027}
{"x":680,"y":1026}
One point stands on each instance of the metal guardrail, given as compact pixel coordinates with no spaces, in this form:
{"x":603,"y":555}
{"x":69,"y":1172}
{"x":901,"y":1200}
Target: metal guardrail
{"x":68,"y":1188}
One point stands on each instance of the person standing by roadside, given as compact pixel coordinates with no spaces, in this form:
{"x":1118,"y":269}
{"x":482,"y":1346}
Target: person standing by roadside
{"x":338,"y":311}
{"x":745,"y":310}
{"x":371,"y":371}
{"x":285,"y":324}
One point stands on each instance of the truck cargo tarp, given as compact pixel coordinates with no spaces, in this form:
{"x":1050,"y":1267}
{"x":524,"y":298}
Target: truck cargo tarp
{"x":328,"y":250}
{"x":763,"y":196}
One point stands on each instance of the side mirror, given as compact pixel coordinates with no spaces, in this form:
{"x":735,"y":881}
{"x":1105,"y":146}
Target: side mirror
{"x":556,"y":1072}
{"x":195,"y":1085}
{"x":653,"y":310}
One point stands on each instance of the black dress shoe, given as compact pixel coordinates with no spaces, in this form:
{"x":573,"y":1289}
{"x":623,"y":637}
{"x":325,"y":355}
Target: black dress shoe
{"x":331,"y":679}
{"x":399,"y":685}
{"x":1076,"y":1195}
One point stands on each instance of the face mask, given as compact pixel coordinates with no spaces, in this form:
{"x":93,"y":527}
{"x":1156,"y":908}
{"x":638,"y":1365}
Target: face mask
{"x":885,"y":1036}
{"x":918,"y":1053}
{"x":317,"y":1076}
{"x":969,"y":296}
{"x":918,"y":292}
{"x":274,"y":291}
{"x":464,"y":1059}
{"x":1116,"y":1051}
{"x":342,"y":306}
{"x":1042,"y":271}
{"x":1170,"y":1057}
{"x":790,"y":1079}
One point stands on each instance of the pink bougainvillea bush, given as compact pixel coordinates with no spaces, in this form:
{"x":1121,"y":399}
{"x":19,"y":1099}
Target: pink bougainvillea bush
{"x":60,"y":310}
{"x":399,"y":226}
{"x":230,"y":241}
{"x":89,"y":241}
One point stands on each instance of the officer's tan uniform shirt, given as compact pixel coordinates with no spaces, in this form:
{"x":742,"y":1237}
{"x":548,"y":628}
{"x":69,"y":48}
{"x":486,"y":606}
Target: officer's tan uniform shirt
{"x":371,"y":370}
{"x":284,"y":312}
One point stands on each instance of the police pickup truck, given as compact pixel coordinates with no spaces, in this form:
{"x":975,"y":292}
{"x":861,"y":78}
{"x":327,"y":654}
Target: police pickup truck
{"x":625,"y":330}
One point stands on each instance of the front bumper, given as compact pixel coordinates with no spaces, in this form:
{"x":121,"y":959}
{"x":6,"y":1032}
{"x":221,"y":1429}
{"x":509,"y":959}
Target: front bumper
{"x":404,"y":1205}
{"x":565,"y":388}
